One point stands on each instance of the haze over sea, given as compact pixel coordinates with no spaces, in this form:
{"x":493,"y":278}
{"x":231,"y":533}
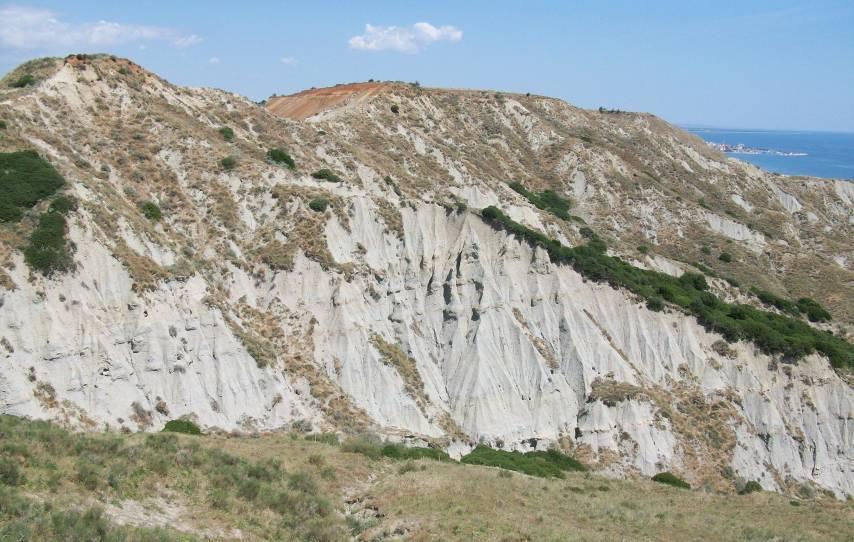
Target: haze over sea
{"x":827,"y":154}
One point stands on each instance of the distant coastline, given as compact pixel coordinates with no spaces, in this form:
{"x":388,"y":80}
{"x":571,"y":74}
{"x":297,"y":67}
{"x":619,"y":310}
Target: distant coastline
{"x":814,"y":154}
{"x":741,"y":148}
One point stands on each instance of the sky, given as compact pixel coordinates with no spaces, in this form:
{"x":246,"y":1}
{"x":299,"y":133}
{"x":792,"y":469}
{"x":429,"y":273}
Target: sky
{"x":749,"y":64}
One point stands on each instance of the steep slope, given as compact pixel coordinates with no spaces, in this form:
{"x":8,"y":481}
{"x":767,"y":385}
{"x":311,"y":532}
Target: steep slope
{"x":268,"y":296}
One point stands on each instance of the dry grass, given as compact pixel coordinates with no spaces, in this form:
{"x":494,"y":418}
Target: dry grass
{"x":426,"y":500}
{"x":405,"y":366}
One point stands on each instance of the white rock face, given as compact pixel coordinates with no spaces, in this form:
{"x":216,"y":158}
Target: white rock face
{"x":485,"y":338}
{"x":506,"y":343}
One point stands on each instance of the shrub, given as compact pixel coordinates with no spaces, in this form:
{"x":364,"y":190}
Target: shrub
{"x":25,"y":179}
{"x":550,"y":464}
{"x":151,"y":211}
{"x":229,"y":162}
{"x":227,"y":133}
{"x":399,"y":451}
{"x":395,"y":109}
{"x":279,"y":156}
{"x":23,"y":81}
{"x":63,"y":204}
{"x":750,"y":487}
{"x":643,"y":249}
{"x":326,"y":438}
{"x":326,"y":175}
{"x":10,"y":474}
{"x":182,"y":426}
{"x":367,"y":445}
{"x":671,"y":480}
{"x":814,"y":311}
{"x":546,"y":200}
{"x":725,"y":257}
{"x":3,"y":125}
{"x":47,"y":251}
{"x":318,"y":204}
{"x":655,"y":304}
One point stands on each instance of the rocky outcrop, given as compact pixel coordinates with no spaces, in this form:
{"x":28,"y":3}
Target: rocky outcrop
{"x":397,"y":309}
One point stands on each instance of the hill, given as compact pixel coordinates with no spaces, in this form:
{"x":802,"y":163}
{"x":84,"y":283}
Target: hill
{"x":445,"y":267}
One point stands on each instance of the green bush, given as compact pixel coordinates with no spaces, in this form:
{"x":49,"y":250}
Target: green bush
{"x":671,"y":480}
{"x":227,"y":133}
{"x":643,"y":249}
{"x":63,"y":204}
{"x":325,"y":438}
{"x":399,"y":451}
{"x":229,"y":162}
{"x":725,"y":257}
{"x":10,"y":474}
{"x":550,"y":464}
{"x":318,"y":204}
{"x":367,"y":445}
{"x":151,"y":211}
{"x":23,"y":81}
{"x":814,"y":311}
{"x":47,"y":251}
{"x":750,"y":487}
{"x":395,"y":109}
{"x":546,"y":200}
{"x":25,"y":179}
{"x":182,"y":426}
{"x":772,"y":333}
{"x":326,"y":175}
{"x":3,"y":124}
{"x":279,"y":156}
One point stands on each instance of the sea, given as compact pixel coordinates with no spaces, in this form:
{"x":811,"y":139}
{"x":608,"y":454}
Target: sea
{"x":818,"y":154}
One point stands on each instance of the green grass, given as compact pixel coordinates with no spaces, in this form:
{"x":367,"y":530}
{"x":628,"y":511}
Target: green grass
{"x":279,"y":156}
{"x":326,"y":175}
{"x":550,"y":464}
{"x":671,"y":479}
{"x":814,"y":311}
{"x":772,"y":333}
{"x":274,"y":503}
{"x":371,"y":446}
{"x":547,"y":200}
{"x":25,"y":179}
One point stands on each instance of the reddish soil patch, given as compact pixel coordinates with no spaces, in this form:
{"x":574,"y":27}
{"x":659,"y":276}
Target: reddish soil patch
{"x":311,"y":102}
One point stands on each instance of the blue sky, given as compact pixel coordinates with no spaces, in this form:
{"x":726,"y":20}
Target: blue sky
{"x":778,"y":64}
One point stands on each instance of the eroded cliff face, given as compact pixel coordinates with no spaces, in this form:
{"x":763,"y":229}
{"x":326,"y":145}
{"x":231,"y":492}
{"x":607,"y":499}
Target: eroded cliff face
{"x":398,"y":309}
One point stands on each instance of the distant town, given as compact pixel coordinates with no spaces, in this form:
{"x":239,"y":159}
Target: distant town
{"x":744,"y":149}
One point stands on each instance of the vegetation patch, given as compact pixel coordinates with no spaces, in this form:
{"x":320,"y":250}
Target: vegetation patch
{"x":547,"y":200}
{"x":227,"y":133}
{"x":25,"y":179}
{"x":151,"y":211}
{"x":671,"y":479}
{"x":391,"y":354}
{"x":228,"y":163}
{"x":182,"y":426}
{"x":548,"y":464}
{"x":279,"y":156}
{"x":48,"y":251}
{"x":772,"y":333}
{"x":25,"y":80}
{"x":318,"y":205}
{"x":326,"y":175}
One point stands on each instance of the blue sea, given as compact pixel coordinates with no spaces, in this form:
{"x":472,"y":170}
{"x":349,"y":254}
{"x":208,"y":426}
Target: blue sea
{"x":826,"y":154}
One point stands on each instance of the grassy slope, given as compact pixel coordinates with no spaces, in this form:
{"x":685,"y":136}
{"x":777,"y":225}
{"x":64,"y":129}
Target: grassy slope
{"x":188,"y":480}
